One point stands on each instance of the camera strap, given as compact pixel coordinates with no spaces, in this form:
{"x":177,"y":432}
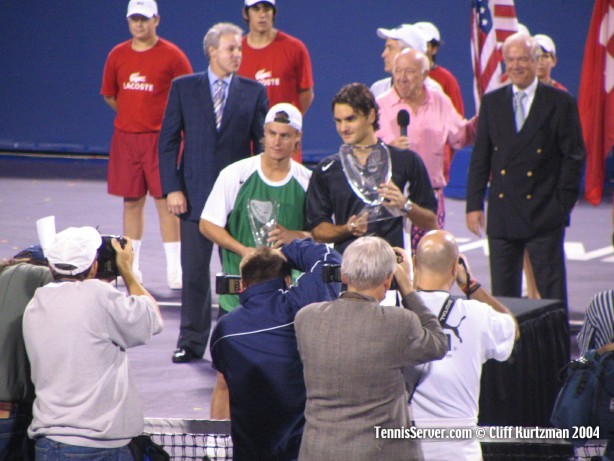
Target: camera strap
{"x":446,"y":308}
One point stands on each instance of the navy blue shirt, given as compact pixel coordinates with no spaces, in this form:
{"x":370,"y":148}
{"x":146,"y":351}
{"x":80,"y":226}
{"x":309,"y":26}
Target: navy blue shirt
{"x":255,"y":348}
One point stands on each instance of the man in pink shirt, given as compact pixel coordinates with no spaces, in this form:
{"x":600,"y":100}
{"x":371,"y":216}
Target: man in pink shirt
{"x":434,"y":122}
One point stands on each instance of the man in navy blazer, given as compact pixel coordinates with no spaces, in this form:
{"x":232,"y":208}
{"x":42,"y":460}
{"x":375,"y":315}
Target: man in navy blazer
{"x":189,"y":172}
{"x":534,"y":170}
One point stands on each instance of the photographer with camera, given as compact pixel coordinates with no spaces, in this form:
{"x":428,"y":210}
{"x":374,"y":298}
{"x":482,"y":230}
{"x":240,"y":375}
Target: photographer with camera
{"x":478,"y":329}
{"x":353,"y":351}
{"x":20,"y":277}
{"x":76,"y":331}
{"x":254,"y":350}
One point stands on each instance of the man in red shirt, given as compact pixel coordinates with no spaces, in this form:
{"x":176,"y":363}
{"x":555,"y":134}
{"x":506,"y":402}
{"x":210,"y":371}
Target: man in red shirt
{"x":275,"y":59}
{"x":136,"y":81}
{"x":547,"y":61}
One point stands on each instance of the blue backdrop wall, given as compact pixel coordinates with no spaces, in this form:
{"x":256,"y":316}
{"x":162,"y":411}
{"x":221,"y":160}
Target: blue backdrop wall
{"x":53,"y":52}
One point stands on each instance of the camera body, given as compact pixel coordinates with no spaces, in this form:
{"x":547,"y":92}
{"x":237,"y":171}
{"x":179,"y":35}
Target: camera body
{"x":227,"y":284}
{"x":331,"y":273}
{"x":107,"y":267}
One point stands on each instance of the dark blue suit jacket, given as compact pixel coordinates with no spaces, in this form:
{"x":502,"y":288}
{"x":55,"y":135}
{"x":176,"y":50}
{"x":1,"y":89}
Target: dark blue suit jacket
{"x":534,"y":174}
{"x":206,"y":151}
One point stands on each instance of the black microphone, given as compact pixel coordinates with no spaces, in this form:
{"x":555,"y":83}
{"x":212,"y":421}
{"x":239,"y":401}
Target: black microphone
{"x":403,"y":121}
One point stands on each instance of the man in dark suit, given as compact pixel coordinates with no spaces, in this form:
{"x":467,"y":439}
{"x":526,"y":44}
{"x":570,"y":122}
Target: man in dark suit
{"x":218,"y":116}
{"x":529,"y":143}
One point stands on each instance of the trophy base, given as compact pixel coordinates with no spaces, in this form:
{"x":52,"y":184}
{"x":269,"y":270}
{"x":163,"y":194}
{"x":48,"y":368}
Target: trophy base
{"x":374,"y":213}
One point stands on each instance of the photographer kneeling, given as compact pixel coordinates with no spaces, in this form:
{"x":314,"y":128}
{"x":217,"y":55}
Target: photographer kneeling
{"x":76,"y":332}
{"x":254,"y":350}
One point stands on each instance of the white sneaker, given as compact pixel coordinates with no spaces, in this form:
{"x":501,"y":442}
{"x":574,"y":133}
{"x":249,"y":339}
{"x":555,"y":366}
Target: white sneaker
{"x":173,"y":278}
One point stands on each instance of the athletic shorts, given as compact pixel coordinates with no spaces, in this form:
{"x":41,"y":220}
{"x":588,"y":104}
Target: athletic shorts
{"x":133,"y":165}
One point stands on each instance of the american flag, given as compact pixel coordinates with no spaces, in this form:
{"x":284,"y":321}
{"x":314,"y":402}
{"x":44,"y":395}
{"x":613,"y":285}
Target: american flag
{"x":492,"y":21}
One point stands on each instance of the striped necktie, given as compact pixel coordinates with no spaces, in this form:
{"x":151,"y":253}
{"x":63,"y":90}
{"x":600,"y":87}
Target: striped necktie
{"x":519,"y":115}
{"x":218,"y":102}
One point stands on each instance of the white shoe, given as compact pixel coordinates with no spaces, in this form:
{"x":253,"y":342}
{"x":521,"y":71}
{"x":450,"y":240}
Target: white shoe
{"x":173,"y":278}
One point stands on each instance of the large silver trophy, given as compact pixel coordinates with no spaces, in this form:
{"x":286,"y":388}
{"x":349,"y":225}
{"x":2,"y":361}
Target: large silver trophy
{"x":262,"y":220}
{"x":365,"y":169}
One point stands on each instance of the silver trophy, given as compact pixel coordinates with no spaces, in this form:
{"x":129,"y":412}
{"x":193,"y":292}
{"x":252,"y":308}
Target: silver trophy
{"x":262,"y":220}
{"x":365,"y":169}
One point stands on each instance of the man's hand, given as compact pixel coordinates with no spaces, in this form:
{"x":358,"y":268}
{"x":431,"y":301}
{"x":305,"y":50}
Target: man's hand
{"x":392,"y":195}
{"x":357,"y":225}
{"x":176,"y":203}
{"x":123,"y":256}
{"x":463,"y":272}
{"x":402,"y":142}
{"x":283,"y":236}
{"x":403,"y":272}
{"x":475,"y":222}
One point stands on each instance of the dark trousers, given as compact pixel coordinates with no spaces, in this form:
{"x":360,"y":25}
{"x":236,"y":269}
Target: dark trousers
{"x":196,"y":294}
{"x":14,"y":442}
{"x":547,"y":257}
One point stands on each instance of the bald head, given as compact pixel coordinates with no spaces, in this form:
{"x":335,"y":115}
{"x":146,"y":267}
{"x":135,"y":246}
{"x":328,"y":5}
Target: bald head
{"x":412,"y":56}
{"x":410,"y":70}
{"x":437,"y":254}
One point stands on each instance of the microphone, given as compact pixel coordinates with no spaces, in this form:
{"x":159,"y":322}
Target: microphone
{"x":403,"y":121}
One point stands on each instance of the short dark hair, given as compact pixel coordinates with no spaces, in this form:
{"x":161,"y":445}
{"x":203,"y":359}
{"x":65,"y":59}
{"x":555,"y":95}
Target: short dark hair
{"x":358,"y":97}
{"x":80,"y":277}
{"x":262,"y":265}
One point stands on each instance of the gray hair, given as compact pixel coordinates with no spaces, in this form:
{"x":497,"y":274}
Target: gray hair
{"x":213,"y":35}
{"x":367,"y":262}
{"x":534,"y":48}
{"x":417,"y":55}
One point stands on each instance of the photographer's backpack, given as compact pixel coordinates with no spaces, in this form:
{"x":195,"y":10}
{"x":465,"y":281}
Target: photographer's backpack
{"x":586,"y":400}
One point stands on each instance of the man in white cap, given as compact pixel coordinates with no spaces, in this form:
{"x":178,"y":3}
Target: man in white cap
{"x":398,"y":39}
{"x":76,"y":332}
{"x":271,"y":185}
{"x":547,"y":61}
{"x":136,"y":81}
{"x":278,"y":60}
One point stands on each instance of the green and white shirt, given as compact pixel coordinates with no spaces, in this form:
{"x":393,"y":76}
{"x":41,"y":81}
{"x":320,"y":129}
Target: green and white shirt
{"x":235,"y":187}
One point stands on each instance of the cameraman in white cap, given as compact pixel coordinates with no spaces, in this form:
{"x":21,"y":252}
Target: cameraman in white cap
{"x":263,"y":182}
{"x":76,"y":332}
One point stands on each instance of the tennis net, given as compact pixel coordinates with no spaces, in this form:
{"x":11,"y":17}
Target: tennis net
{"x":202,"y":440}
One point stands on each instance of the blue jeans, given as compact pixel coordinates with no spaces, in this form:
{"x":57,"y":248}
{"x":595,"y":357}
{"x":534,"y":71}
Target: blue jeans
{"x":49,"y":450}
{"x":14,"y":442}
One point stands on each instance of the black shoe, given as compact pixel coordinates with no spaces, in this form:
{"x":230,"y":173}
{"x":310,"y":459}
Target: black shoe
{"x":183,"y":355}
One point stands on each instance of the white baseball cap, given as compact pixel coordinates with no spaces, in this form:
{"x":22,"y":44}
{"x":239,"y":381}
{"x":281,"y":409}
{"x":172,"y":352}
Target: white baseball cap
{"x":249,"y":3}
{"x":409,"y":34}
{"x":546,"y":43}
{"x":522,"y":29}
{"x":295,"y":119}
{"x":430,"y":30}
{"x":147,"y":8}
{"x":74,"y":249}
